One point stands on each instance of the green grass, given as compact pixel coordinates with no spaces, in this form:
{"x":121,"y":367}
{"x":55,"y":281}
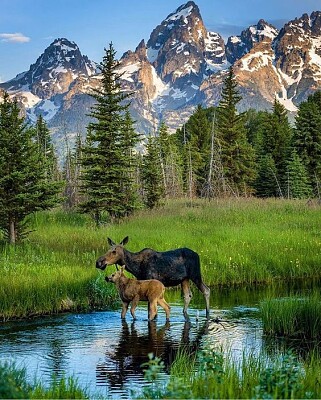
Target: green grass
{"x":211,"y":374}
{"x":293,"y":317}
{"x":14,"y":385}
{"x":239,"y":241}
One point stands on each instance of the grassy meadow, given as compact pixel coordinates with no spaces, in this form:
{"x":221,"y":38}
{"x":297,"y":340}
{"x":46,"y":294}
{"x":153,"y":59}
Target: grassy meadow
{"x":240,"y":241}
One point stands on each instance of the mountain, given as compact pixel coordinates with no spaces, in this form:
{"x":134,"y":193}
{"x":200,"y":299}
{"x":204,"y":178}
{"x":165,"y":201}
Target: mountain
{"x":182,"y":64}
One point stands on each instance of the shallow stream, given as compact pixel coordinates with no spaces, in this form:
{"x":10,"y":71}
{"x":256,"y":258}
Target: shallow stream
{"x":106,"y":354}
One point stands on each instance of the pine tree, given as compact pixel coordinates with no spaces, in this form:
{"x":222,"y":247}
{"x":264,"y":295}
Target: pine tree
{"x":236,"y":153}
{"x":307,"y":137}
{"x":276,"y":140}
{"x":194,"y":140}
{"x":298,"y":181}
{"x":105,"y":154}
{"x":24,"y":184}
{"x":153,"y":185}
{"x":199,"y":132}
{"x":266,"y":183}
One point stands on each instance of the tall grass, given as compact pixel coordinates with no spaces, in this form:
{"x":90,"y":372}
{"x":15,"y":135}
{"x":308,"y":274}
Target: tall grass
{"x":239,"y":242}
{"x":212,"y":375}
{"x":294,"y":317}
{"x":14,"y":385}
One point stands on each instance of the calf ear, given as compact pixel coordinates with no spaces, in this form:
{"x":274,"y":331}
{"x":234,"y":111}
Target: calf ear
{"x":110,"y":242}
{"x":124,"y":241}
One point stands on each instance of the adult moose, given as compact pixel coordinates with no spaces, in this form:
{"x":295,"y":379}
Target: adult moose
{"x":171,"y":267}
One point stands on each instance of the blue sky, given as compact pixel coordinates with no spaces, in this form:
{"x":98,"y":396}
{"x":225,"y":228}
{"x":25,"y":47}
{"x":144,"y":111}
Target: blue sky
{"x":27,"y":27}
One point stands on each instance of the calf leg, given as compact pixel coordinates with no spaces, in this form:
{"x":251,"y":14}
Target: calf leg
{"x":124,"y":309}
{"x":165,"y":306}
{"x":133,"y":306}
{"x":152,"y":310}
{"x":187,"y":296}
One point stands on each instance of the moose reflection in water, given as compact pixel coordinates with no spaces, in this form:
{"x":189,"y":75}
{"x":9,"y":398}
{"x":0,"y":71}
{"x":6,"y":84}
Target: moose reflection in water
{"x":132,"y":350}
{"x":172,"y":268}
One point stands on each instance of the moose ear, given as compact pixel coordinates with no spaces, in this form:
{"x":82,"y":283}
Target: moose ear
{"x":110,"y":242}
{"x":124,"y":241}
{"x":122,"y":269}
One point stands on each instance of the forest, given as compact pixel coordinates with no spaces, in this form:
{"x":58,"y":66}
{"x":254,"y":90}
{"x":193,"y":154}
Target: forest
{"x":219,"y":152}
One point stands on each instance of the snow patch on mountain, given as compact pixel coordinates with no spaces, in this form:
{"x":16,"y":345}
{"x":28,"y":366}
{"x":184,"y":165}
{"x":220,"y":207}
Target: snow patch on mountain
{"x":160,"y":86}
{"x":315,"y":58}
{"x":29,"y":99}
{"x":180,"y":13}
{"x":127,"y":71}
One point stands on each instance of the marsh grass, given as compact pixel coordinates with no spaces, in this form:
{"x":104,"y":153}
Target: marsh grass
{"x":14,"y":385}
{"x":213,"y":375}
{"x":240,"y":242}
{"x":294,"y":317}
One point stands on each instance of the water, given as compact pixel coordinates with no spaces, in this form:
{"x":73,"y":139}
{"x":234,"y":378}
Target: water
{"x":105,"y":354}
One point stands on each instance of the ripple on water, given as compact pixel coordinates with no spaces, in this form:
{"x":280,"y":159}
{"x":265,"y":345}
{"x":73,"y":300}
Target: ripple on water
{"x":106,"y":354}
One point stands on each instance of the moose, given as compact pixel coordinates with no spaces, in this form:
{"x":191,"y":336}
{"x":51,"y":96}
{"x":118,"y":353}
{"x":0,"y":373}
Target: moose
{"x":134,"y":290}
{"x":171,"y":267}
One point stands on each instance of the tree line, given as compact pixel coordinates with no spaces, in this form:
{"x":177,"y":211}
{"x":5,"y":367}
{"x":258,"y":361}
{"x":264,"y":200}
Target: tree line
{"x":217,"y":152}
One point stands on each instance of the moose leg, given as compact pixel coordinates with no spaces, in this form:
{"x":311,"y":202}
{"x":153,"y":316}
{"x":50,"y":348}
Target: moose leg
{"x":152,"y":310}
{"x":165,"y":306}
{"x":206,"y":292}
{"x":134,"y":305}
{"x":124,"y":309}
{"x":187,"y":297}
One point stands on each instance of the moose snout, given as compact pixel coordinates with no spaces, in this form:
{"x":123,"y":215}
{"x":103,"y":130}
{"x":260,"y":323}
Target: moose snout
{"x":101,"y":263}
{"x":107,"y":279}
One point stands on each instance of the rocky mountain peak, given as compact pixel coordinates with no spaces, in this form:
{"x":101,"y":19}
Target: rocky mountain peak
{"x":180,"y":37}
{"x":238,"y":46}
{"x":59,"y":65}
{"x":298,"y":51}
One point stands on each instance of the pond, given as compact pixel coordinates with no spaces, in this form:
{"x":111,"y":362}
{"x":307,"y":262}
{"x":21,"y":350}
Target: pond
{"x":105,"y":354}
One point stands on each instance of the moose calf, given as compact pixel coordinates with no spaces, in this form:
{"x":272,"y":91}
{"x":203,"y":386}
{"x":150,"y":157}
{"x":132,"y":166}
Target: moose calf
{"x":133,"y":290}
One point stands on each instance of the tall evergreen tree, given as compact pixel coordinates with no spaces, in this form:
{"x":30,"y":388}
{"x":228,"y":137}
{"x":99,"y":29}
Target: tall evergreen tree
{"x":24,"y":185}
{"x":298,"y":185}
{"x":307,"y":138}
{"x":276,"y":140}
{"x":154,"y":190}
{"x":194,"y":140}
{"x":105,"y":154}
{"x":236,"y":153}
{"x":266,"y":183}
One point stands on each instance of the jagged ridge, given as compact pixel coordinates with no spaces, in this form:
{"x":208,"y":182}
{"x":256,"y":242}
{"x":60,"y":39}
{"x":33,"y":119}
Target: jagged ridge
{"x":181,"y":65}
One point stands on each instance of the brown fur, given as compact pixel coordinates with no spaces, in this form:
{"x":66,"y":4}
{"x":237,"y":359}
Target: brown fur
{"x":133,"y":290}
{"x":172,"y":268}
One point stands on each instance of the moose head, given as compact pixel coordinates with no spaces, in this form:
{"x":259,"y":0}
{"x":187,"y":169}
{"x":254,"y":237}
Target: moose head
{"x":115,"y":255}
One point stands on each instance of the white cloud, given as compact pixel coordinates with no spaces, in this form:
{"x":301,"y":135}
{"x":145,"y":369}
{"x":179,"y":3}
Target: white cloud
{"x":14,"y":37}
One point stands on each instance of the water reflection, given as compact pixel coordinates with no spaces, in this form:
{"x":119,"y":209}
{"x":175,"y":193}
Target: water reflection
{"x":126,"y":358}
{"x":57,"y":356}
{"x":105,"y":354}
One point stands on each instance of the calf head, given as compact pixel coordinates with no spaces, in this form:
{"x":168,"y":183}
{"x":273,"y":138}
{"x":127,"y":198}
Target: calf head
{"x":115,"y":255}
{"x":115,"y":276}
